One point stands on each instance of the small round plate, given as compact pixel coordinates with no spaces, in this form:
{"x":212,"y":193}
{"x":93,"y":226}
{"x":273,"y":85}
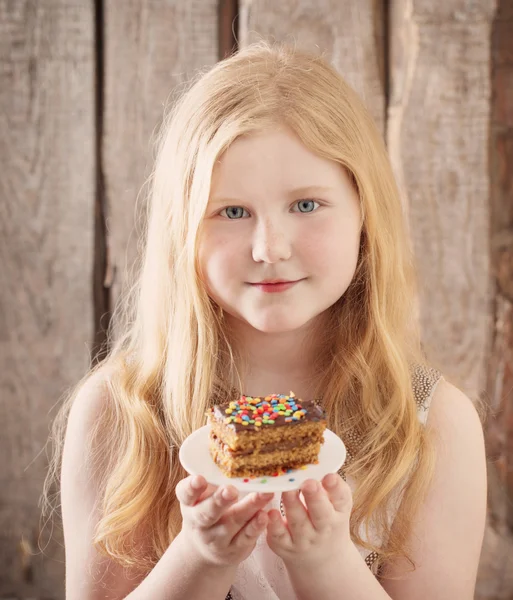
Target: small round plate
{"x":196,"y":460}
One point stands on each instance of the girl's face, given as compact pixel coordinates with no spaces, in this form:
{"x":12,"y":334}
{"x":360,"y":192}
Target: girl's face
{"x":278,"y":212}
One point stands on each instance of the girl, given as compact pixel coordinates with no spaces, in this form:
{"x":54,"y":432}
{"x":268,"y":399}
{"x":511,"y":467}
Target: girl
{"x":269,"y":169}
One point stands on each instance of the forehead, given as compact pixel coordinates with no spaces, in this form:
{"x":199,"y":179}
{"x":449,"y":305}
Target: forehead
{"x":273,"y":158}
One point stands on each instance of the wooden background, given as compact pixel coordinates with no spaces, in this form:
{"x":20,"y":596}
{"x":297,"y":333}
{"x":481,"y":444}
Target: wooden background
{"x":82,"y":89}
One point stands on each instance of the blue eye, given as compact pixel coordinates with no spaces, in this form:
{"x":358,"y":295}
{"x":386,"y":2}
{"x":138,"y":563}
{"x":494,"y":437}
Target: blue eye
{"x":306,"y":206}
{"x":238,"y":212}
{"x":233,"y":212}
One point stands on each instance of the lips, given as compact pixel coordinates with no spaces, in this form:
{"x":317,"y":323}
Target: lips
{"x":276,"y":286}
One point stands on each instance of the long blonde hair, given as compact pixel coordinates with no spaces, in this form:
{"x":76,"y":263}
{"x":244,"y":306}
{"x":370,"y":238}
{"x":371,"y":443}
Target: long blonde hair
{"x":171,"y":358}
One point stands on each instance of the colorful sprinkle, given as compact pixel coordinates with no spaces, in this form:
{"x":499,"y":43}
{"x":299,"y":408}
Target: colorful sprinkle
{"x":264,"y":411}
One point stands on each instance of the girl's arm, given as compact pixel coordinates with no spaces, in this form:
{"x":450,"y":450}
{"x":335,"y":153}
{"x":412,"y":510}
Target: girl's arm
{"x":89,"y":575}
{"x":180,"y":574}
{"x":448,"y":532}
{"x":345,"y":578}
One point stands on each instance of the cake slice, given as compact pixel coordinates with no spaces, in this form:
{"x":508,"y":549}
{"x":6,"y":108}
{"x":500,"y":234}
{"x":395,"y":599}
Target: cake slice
{"x":251,"y":437}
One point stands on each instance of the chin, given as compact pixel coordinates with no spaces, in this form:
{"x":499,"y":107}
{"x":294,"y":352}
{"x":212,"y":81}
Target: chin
{"x":282,"y":324}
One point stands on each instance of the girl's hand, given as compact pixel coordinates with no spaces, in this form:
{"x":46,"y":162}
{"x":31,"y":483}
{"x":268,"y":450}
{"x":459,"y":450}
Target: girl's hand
{"x":314,"y":534}
{"x":221,"y":529}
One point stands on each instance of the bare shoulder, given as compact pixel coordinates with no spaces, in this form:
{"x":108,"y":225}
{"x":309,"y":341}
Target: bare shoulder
{"x":91,"y":400}
{"x":89,"y":575}
{"x":448,"y":531}
{"x":452,"y":411}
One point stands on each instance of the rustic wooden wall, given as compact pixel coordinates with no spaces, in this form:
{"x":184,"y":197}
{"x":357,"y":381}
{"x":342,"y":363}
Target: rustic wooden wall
{"x":47,"y":195}
{"x":151,"y":47}
{"x":438,"y":120}
{"x":82,"y":89}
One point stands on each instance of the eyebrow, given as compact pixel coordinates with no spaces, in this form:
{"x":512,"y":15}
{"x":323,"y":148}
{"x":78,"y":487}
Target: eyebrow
{"x":300,"y":191}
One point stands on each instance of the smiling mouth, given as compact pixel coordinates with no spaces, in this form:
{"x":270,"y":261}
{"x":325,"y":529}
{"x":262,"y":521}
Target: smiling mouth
{"x":277,"y":282}
{"x":274,"y":281}
{"x":279,"y":286}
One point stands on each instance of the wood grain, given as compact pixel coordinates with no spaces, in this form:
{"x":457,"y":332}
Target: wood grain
{"x":437,"y":133}
{"x":47,"y":189}
{"x":151,"y":48}
{"x":496,"y":573}
{"x":228,"y":27}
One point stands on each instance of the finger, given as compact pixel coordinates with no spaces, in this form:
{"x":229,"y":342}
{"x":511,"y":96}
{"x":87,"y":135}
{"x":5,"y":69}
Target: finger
{"x":245,"y":509}
{"x":208,"y":492}
{"x":320,"y":509}
{"x":208,"y":512}
{"x":339,"y":493}
{"x":277,"y":532}
{"x":189,"y":490}
{"x":298,"y":520}
{"x":252,"y":530}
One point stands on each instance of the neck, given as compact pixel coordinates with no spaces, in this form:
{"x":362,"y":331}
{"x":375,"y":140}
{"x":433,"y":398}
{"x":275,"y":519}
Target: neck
{"x":277,"y":363}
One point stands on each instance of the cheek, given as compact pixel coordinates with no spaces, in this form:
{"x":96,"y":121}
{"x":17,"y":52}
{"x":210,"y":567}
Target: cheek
{"x":219,"y":257}
{"x":331,"y":249}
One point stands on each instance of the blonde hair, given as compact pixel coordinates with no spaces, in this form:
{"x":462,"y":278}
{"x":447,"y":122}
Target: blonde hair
{"x":171,"y":359}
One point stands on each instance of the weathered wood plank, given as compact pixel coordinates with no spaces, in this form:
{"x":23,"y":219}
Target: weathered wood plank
{"x":350,"y":34}
{"x":47,"y":191}
{"x":151,"y":47}
{"x":228,"y":27}
{"x":501,"y":159}
{"x":437,"y":133}
{"x":496,"y":576}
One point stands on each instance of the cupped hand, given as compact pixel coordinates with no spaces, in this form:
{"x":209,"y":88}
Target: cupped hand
{"x":314,"y":532}
{"x":220,"y":527}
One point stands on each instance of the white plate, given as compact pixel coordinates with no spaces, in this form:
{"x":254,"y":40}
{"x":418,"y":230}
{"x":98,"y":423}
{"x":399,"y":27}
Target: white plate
{"x":196,"y":460}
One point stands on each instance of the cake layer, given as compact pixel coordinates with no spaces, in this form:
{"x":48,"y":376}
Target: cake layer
{"x":270,"y":447}
{"x":265,"y":463}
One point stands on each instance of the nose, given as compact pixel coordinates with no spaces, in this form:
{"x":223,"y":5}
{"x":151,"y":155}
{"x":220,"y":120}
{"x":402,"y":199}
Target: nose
{"x":271,"y":243}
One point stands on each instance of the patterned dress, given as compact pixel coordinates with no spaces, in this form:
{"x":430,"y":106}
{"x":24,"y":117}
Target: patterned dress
{"x":263,"y":576}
